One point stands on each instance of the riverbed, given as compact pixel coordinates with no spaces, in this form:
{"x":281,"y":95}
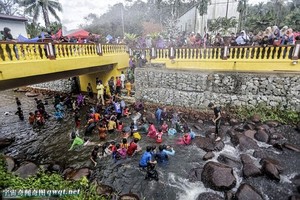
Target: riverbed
{"x":50,"y":144}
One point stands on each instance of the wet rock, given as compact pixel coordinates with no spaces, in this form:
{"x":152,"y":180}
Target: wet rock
{"x":219,"y":145}
{"x":270,"y":170}
{"x":247,"y":192}
{"x":251,"y":170}
{"x":233,"y":122}
{"x":4,"y":142}
{"x":77,"y":174}
{"x":250,"y":133}
{"x":298,"y":126}
{"x":246,"y":158}
{"x":26,"y":170}
{"x":229,"y":195}
{"x":249,"y":126}
{"x":244,"y":142}
{"x":195,"y":174}
{"x":208,"y":155}
{"x":261,"y":136}
{"x":31,"y":94}
{"x":292,"y":147}
{"x":104,"y":190}
{"x":260,"y":154}
{"x":207,"y":144}
{"x":263,"y":127}
{"x":276,"y":136}
{"x":272,"y":123}
{"x":67,"y":172}
{"x":209,"y":196}
{"x":10,"y":163}
{"x":256,"y":118}
{"x":218,"y":176}
{"x":129,"y":197}
{"x":230,"y":161}
{"x":239,"y":129}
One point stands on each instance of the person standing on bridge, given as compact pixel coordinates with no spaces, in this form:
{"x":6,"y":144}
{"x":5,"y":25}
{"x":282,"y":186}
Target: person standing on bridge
{"x":100,"y":92}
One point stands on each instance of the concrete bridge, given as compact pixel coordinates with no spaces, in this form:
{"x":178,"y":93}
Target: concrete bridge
{"x":29,"y":63}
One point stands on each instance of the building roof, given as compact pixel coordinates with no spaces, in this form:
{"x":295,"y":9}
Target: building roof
{"x":13,"y":18}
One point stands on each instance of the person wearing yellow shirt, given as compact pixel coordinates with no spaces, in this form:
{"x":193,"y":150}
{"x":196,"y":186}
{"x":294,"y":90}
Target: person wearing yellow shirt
{"x":111,"y":125}
{"x":137,"y":135}
{"x":128,"y":88}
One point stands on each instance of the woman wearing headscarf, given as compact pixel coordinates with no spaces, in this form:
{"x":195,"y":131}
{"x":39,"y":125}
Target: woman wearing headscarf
{"x":288,"y":37}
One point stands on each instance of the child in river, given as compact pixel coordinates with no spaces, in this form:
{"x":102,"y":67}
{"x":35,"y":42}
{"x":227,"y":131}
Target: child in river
{"x":159,"y":136}
{"x":151,"y":130}
{"x":18,"y":102}
{"x":20,"y":113}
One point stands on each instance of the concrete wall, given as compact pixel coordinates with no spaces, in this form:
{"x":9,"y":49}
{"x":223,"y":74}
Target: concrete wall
{"x":63,"y":85}
{"x":195,"y":89}
{"x":16,"y":27}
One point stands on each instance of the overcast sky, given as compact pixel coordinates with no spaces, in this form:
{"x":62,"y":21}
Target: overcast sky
{"x":74,"y":11}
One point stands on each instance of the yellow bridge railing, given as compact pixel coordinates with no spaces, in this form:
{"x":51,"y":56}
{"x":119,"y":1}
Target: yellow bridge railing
{"x":225,"y":53}
{"x":20,"y":51}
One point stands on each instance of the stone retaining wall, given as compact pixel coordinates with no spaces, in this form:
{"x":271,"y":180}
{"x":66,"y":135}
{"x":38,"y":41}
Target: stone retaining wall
{"x":196,"y":89}
{"x":63,"y":85}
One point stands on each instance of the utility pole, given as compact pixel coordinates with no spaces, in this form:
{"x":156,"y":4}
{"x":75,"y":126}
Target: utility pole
{"x":227,"y":9}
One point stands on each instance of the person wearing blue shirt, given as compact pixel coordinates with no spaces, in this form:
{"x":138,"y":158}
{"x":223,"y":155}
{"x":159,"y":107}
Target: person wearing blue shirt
{"x":192,"y":133}
{"x":172,"y":131}
{"x":146,"y":158}
{"x":118,"y":110}
{"x":158,"y":116}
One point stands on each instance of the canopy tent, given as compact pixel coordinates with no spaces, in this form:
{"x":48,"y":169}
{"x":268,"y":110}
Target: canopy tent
{"x":80,"y":33}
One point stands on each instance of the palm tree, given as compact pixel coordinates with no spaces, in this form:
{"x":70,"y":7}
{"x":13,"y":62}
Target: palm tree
{"x":34,"y":8}
{"x":202,"y":8}
{"x":242,"y":6}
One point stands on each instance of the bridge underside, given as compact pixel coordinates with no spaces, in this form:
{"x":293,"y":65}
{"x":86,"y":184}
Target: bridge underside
{"x":13,"y":83}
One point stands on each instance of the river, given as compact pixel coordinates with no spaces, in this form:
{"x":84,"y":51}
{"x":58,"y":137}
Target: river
{"x":50,"y":144}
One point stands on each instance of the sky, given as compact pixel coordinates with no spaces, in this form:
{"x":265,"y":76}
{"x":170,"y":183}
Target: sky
{"x":74,"y":11}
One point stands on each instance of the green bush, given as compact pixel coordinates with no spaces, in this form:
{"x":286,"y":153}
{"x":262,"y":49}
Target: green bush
{"x":47,"y":181}
{"x":280,"y":115}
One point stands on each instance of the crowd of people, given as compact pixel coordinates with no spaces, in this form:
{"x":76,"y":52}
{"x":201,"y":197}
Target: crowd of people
{"x":109,"y":116}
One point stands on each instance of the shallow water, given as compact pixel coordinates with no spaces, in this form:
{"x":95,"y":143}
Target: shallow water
{"x":51,"y":144}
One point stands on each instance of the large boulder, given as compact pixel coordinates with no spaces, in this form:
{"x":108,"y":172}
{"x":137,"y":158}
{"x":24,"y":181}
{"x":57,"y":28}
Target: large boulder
{"x":259,"y":154}
{"x":244,"y":142}
{"x":209,"y":196}
{"x":233,"y":122}
{"x":219,"y":145}
{"x":218,"y":176}
{"x":247,"y":192}
{"x":26,"y":170}
{"x":272,"y":123}
{"x":249,"y":126}
{"x":261,"y":136}
{"x":207,"y":144}
{"x":230,"y":161}
{"x":104,"y":190}
{"x":10,"y":163}
{"x":249,"y":169}
{"x":4,"y":142}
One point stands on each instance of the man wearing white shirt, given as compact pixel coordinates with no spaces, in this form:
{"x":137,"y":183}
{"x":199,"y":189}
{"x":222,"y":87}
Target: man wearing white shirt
{"x":122,"y":79}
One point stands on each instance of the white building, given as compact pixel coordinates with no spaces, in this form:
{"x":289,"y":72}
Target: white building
{"x":15,"y":23}
{"x":191,"y":21}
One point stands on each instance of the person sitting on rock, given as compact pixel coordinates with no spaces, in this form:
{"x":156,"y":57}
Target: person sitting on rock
{"x":94,"y":155}
{"x":192,"y":134}
{"x":77,"y":141}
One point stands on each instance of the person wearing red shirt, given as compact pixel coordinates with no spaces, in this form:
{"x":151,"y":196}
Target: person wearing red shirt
{"x":118,"y":85}
{"x":132,"y":147}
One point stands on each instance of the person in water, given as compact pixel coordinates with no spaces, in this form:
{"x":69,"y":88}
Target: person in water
{"x":31,"y":118}
{"x":20,"y":113}
{"x":161,"y":156}
{"x":186,"y":139}
{"x":120,"y":153}
{"x":172,"y":131}
{"x":216,"y":119}
{"x":152,"y":173}
{"x":77,"y":141}
{"x":133,"y":147}
{"x":146,"y":158}
{"x":18,"y":102}
{"x":94,"y":155}
{"x":164,"y":127}
{"x":159,"y":136}
{"x":137,"y":135}
{"x":151,"y":131}
{"x":102,"y":131}
{"x":124,"y":143}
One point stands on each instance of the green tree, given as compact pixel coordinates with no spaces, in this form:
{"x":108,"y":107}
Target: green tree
{"x":9,"y":7}
{"x":241,"y":8}
{"x":35,"y":7}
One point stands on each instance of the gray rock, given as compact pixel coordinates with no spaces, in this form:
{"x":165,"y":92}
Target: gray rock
{"x":247,"y":192}
{"x":26,"y":170}
{"x":244,"y":142}
{"x":292,"y":147}
{"x":261,"y":136}
{"x":250,"y":133}
{"x":208,"y":155}
{"x":230,"y":161}
{"x":218,"y":176}
{"x":209,"y":196}
{"x":10,"y":163}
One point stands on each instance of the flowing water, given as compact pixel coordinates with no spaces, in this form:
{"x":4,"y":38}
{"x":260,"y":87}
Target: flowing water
{"x":50,"y":144}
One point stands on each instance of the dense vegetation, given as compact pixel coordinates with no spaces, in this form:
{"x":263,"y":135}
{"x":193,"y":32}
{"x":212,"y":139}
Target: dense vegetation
{"x":47,"y":181}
